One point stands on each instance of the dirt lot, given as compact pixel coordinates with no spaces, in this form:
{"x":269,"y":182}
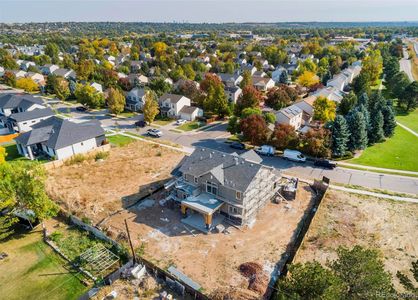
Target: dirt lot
{"x":213,"y":260}
{"x":348,"y":219}
{"x":95,"y":188}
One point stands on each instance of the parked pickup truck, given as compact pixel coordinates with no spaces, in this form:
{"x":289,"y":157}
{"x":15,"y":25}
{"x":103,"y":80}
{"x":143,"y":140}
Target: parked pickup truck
{"x":266,"y":150}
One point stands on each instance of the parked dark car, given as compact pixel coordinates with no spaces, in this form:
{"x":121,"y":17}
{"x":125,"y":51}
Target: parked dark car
{"x":140,"y":123}
{"x":81,"y":108}
{"x":325,"y":164}
{"x":238,"y":145}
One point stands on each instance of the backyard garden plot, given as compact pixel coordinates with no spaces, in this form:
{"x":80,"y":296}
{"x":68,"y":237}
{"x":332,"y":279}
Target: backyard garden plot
{"x":95,"y":189}
{"x":348,"y":219}
{"x":33,"y":270}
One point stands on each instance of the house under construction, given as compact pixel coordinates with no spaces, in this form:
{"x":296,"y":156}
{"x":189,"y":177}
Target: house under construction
{"x":214,"y":184}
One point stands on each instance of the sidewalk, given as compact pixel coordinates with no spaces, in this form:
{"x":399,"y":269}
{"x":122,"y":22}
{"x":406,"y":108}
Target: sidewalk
{"x":407,"y":129}
{"x":366,"y":168}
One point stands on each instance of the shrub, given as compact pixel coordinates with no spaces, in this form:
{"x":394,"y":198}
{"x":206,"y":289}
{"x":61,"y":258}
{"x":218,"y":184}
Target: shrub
{"x":76,"y":159}
{"x":101,"y":155}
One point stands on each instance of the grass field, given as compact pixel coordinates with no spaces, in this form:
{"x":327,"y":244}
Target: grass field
{"x":409,"y":120}
{"x":189,"y":126}
{"x":33,"y":271}
{"x":395,"y":153}
{"x":119,"y":140}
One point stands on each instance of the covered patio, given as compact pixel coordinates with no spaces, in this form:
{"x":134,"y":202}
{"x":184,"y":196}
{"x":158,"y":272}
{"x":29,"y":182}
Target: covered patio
{"x":207,"y":206}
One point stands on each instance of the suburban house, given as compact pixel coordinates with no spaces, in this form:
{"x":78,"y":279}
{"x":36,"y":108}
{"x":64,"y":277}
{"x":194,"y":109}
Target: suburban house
{"x":135,"y":66}
{"x":135,"y":99}
{"x":24,"y":64}
{"x":306,"y":105}
{"x":230,"y":79}
{"x":262,"y":83}
{"x":249,"y":68}
{"x":138,"y":79}
{"x":339,"y":81}
{"x":97,"y":86}
{"x":36,"y":77}
{"x":19,"y":73}
{"x":291,"y":115}
{"x":276,"y":74}
{"x":233,"y":93}
{"x":178,"y":106}
{"x":65,"y":73}
{"x":60,"y":139}
{"x":331,"y":93}
{"x":216,"y":185}
{"x":48,"y":69}
{"x":16,"y":103}
{"x":23,"y":121}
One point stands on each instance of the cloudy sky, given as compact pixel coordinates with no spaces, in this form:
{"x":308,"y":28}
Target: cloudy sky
{"x":208,"y":10}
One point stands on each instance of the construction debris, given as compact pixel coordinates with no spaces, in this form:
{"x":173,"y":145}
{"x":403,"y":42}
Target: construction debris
{"x":250,"y":269}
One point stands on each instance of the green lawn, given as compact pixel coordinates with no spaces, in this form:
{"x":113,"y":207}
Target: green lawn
{"x":409,"y":120}
{"x":120,"y":140}
{"x":395,"y":153}
{"x":33,"y":271}
{"x":13,"y":155}
{"x":189,"y":126}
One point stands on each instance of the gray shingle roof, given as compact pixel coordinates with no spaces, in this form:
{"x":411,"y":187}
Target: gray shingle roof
{"x":58,"y":133}
{"x":172,"y":97}
{"x":18,"y":100}
{"x":237,"y":172}
{"x":32,"y":114}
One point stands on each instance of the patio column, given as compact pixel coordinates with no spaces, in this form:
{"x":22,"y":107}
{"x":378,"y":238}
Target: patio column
{"x":183,"y":209}
{"x":208,"y":221}
{"x":30,"y":152}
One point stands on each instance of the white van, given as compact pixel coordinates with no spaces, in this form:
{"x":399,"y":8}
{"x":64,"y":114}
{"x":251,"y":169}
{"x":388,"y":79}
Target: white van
{"x":293,"y":155}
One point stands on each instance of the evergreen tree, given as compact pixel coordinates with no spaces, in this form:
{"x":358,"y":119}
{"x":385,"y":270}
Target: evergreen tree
{"x":347,"y":103}
{"x":340,"y":136}
{"x":363,"y":110}
{"x":363,"y":99}
{"x":358,"y":130}
{"x":376,"y":124}
{"x":284,"y":77}
{"x":389,"y":122}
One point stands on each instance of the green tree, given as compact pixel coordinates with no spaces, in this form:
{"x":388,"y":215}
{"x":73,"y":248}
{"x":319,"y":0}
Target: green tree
{"x":233,"y":125}
{"x":151,"y":108}
{"x":324,"y":109}
{"x":61,"y":88}
{"x":270,"y":117}
{"x":23,"y":188}
{"x":389,"y":122}
{"x":116,"y":101}
{"x":246,"y":79}
{"x":409,"y":97}
{"x":52,"y":50}
{"x":361,"y":83}
{"x":246,"y":112}
{"x":347,"y":103}
{"x":310,"y":281}
{"x":340,"y":136}
{"x":377,"y":134}
{"x":358,"y":130}
{"x":7,"y":61}
{"x":160,"y":86}
{"x":87,"y":95}
{"x":284,"y":77}
{"x":9,"y":78}
{"x":372,"y":66}
{"x":363,"y":273}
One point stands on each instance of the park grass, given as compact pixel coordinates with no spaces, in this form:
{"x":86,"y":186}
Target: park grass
{"x":395,"y":153}
{"x":189,"y":126}
{"x":409,"y":120}
{"x":120,"y":140}
{"x":33,"y":271}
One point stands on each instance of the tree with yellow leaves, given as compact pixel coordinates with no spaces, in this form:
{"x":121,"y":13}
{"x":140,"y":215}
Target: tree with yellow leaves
{"x":324,"y":109}
{"x":160,"y":49}
{"x":308,"y":79}
{"x":27,"y":84}
{"x":3,"y":154}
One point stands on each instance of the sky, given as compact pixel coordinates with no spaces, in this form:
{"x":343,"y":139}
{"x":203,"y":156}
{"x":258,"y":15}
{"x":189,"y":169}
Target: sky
{"x":211,"y":11}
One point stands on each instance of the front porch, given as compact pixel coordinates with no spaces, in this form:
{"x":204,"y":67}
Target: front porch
{"x":35,"y":151}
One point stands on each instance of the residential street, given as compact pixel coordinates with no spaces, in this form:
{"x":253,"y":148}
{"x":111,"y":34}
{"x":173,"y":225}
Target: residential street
{"x":405,"y":65}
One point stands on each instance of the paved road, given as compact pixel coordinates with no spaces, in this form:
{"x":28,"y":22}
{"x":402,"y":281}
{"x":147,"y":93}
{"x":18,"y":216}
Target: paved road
{"x":215,"y":138}
{"x":406,"y":66}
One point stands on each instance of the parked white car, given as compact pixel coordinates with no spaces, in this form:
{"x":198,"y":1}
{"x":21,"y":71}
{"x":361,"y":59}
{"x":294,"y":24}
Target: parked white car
{"x":266,"y":150}
{"x":293,"y":155}
{"x":180,"y":122}
{"x":154,"y":132}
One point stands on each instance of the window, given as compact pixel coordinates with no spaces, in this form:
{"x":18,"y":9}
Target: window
{"x":195,"y":180}
{"x":238,"y":195}
{"x":211,"y":188}
{"x":81,"y":143}
{"x":233,"y":210}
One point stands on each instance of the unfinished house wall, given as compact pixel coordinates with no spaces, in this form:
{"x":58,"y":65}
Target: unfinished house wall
{"x":258,"y":194}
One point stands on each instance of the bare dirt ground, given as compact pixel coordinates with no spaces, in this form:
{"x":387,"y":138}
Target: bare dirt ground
{"x":346,"y":220}
{"x":213,"y":260}
{"x":94,"y":189}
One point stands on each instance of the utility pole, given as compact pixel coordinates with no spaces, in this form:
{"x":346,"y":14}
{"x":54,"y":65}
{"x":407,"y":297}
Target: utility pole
{"x":130,"y":242}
